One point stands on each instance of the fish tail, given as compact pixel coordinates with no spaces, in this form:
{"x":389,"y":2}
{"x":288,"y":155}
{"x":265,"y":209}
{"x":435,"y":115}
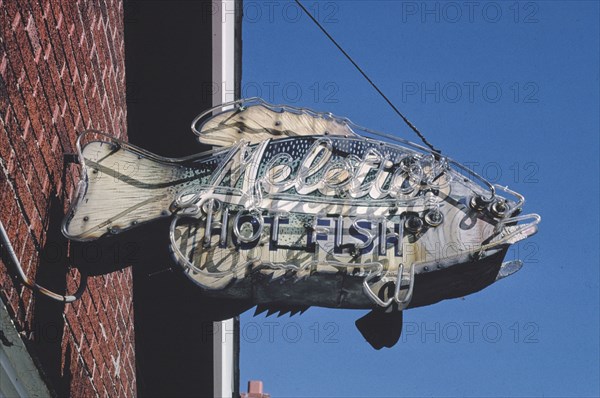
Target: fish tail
{"x":120,"y":187}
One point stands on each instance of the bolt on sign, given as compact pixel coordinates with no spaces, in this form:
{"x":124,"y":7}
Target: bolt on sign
{"x":296,"y":208}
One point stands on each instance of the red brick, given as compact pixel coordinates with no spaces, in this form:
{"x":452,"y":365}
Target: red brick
{"x":27,"y":156}
{"x":14,"y":97}
{"x":88,"y":331}
{"x":55,"y":64}
{"x":73,"y":281}
{"x":36,"y":171}
{"x":6,"y":148}
{"x":80,"y":95}
{"x":53,"y":161}
{"x":26,"y":50}
{"x":3,"y":64}
{"x":9,"y":206}
{"x":5,"y":281}
{"x":34,"y":40}
{"x":66,"y":48}
{"x":106,"y":319}
{"x":96,"y":350}
{"x":42,"y":53}
{"x":73,"y":322}
{"x":16,"y":20}
{"x":37,"y":105}
{"x":18,"y":232}
{"x":25,"y":196}
{"x":32,"y":250}
{"x":15,"y":94}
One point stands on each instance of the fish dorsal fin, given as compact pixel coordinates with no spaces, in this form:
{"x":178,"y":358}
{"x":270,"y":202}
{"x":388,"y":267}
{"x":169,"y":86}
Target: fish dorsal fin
{"x":258,"y":123}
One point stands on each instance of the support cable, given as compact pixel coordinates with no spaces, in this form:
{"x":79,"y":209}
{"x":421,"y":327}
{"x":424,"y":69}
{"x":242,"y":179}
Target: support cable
{"x":404,"y":118}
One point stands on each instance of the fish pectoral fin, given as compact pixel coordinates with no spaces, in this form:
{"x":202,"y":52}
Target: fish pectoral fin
{"x":381,"y":329}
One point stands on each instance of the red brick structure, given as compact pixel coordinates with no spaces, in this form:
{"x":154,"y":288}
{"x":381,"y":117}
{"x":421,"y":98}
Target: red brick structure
{"x":255,"y":390}
{"x":62,"y":71}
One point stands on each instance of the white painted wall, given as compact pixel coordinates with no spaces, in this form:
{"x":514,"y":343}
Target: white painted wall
{"x":223,"y":78}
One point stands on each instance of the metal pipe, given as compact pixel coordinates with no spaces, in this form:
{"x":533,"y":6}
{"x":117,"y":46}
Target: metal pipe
{"x":32,"y":285}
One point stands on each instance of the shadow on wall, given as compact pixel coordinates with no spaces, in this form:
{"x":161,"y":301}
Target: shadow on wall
{"x":48,"y":322}
{"x":146,"y":249}
{"x":56,"y":257}
{"x":58,"y":254}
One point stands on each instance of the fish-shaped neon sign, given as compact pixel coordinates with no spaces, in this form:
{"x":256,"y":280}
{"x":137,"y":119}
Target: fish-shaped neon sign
{"x":337,"y":215}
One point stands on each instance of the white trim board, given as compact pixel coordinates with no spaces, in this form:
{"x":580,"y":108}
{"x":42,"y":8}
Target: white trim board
{"x":19,"y":377}
{"x":223,"y":76}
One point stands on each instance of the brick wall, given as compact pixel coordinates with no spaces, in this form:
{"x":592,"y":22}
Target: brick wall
{"x":62,"y":71}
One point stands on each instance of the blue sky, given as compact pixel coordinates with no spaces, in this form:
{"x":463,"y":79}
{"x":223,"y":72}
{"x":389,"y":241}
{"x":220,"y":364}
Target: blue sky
{"x":510,"y":88}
